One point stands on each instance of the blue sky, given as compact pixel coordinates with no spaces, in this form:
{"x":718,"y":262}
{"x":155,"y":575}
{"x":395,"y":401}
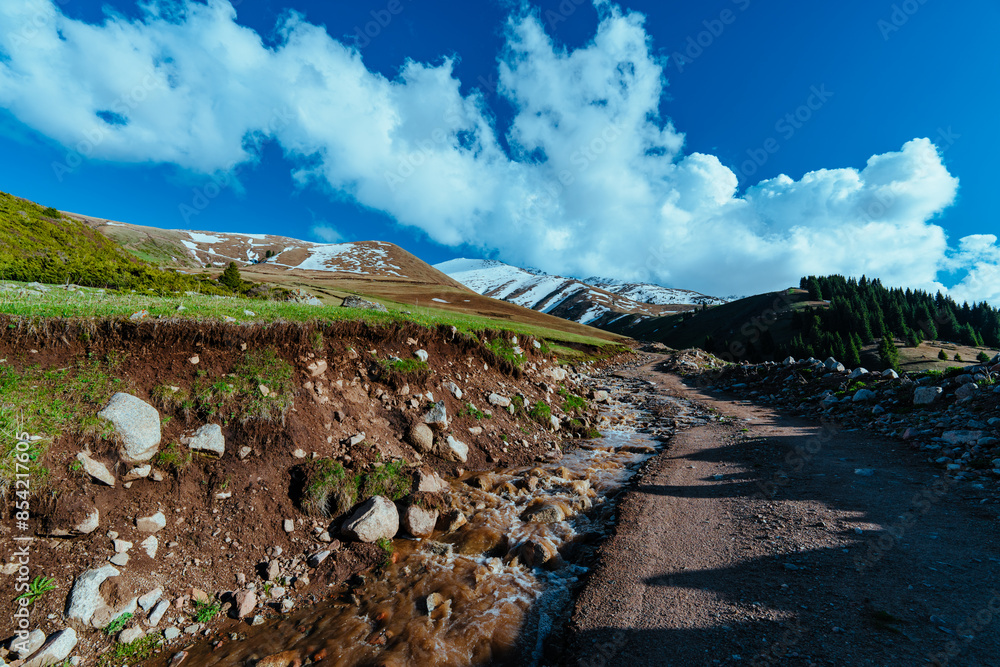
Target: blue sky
{"x":692,"y":203}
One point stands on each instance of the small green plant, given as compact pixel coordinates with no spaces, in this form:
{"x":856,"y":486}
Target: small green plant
{"x":386,"y":479}
{"x":405,"y":366}
{"x":318,"y":343}
{"x":471,"y":410}
{"x":173,"y":458}
{"x":117,"y":625}
{"x":75,"y":466}
{"x":958,"y":357}
{"x":131,"y":653}
{"x":541,"y":413}
{"x":385,"y":544}
{"x":37,"y":588}
{"x":983,"y":358}
{"x":329,"y":490}
{"x":204,"y":612}
{"x":574,"y":404}
{"x":264,"y":368}
{"x":942,"y":355}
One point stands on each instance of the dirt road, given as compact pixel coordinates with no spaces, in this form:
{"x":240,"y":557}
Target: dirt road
{"x":765,"y":540}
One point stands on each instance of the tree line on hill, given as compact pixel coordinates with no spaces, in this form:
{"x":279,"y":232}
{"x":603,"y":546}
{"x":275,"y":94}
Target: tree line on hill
{"x":863,"y":311}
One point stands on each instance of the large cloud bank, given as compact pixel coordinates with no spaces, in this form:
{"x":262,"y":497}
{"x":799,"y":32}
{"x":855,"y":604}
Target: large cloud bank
{"x":592,"y":181}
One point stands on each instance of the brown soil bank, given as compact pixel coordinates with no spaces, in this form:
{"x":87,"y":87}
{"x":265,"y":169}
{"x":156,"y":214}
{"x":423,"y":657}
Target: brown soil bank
{"x":290,"y":399}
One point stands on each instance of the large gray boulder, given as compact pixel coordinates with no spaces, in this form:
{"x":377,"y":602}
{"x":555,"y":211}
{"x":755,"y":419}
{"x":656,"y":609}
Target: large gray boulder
{"x":55,"y":650}
{"x":926,"y":395}
{"x":209,"y":439}
{"x":377,"y":518}
{"x":85,"y":598}
{"x":137,"y":425}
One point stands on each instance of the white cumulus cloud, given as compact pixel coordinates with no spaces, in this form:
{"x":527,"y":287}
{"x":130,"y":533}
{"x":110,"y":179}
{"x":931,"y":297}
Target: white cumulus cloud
{"x":592,"y":181}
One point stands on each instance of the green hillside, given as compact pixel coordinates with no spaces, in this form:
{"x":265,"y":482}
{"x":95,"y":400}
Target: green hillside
{"x":37,"y":244}
{"x":854,"y":320}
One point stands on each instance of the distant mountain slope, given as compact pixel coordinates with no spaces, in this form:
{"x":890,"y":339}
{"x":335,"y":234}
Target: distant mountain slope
{"x":595,"y":302}
{"x":654,"y":294}
{"x":330,"y":271}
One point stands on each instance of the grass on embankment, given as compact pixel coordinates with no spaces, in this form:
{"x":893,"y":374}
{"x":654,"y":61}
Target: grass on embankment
{"x":85,"y":302}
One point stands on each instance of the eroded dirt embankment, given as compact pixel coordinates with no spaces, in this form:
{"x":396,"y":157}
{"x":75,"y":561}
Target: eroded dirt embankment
{"x":287,"y":398}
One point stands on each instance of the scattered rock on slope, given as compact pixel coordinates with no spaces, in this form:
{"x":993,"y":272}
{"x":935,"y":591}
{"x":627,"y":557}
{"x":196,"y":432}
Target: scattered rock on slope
{"x":137,"y":425}
{"x":375,"y":519}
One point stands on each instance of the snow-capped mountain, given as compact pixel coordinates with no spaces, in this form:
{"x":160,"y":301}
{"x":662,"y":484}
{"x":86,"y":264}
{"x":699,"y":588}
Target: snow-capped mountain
{"x":597,"y":302}
{"x":654,"y":294}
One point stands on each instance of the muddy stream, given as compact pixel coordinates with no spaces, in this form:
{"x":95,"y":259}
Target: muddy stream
{"x":494,"y":590}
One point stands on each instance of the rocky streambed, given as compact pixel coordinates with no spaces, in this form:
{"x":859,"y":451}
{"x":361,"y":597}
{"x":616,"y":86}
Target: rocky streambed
{"x":494,"y":582}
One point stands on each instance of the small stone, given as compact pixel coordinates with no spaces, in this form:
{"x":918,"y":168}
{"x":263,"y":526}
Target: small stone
{"x":288,"y":525}
{"x":150,"y":545}
{"x":195,"y":360}
{"x":316,"y":559}
{"x":34,"y":642}
{"x":209,"y":439}
{"x":245,"y":452}
{"x":421,"y":355}
{"x":121,"y":546}
{"x":246,"y":602}
{"x":421,"y":437}
{"x":95,"y":469}
{"x":455,"y":449}
{"x":418,"y":521}
{"x":453,"y":388}
{"x":140,"y":472}
{"x":151,"y":524}
{"x":171,"y":634}
{"x":375,"y":519}
{"x":150,"y":598}
{"x":499,"y":401}
{"x":130,"y":635}
{"x":121,"y":560}
{"x":300,"y":453}
{"x":55,"y":650}
{"x":273,"y":570}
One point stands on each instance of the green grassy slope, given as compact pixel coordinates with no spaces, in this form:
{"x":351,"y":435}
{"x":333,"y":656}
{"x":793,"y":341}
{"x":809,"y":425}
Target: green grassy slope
{"x":38,"y":244}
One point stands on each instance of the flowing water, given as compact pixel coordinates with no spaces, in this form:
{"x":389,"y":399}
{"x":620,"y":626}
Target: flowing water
{"x":487,"y":593}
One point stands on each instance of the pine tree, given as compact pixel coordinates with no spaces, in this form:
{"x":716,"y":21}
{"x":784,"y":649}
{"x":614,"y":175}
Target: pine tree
{"x":888,"y":353}
{"x":231,"y":277}
{"x":853,"y":354}
{"x":815,"y":291}
{"x":942,"y":356}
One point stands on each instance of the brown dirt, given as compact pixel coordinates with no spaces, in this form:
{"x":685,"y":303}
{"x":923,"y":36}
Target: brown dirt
{"x":209,"y":541}
{"x":755,"y":542}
